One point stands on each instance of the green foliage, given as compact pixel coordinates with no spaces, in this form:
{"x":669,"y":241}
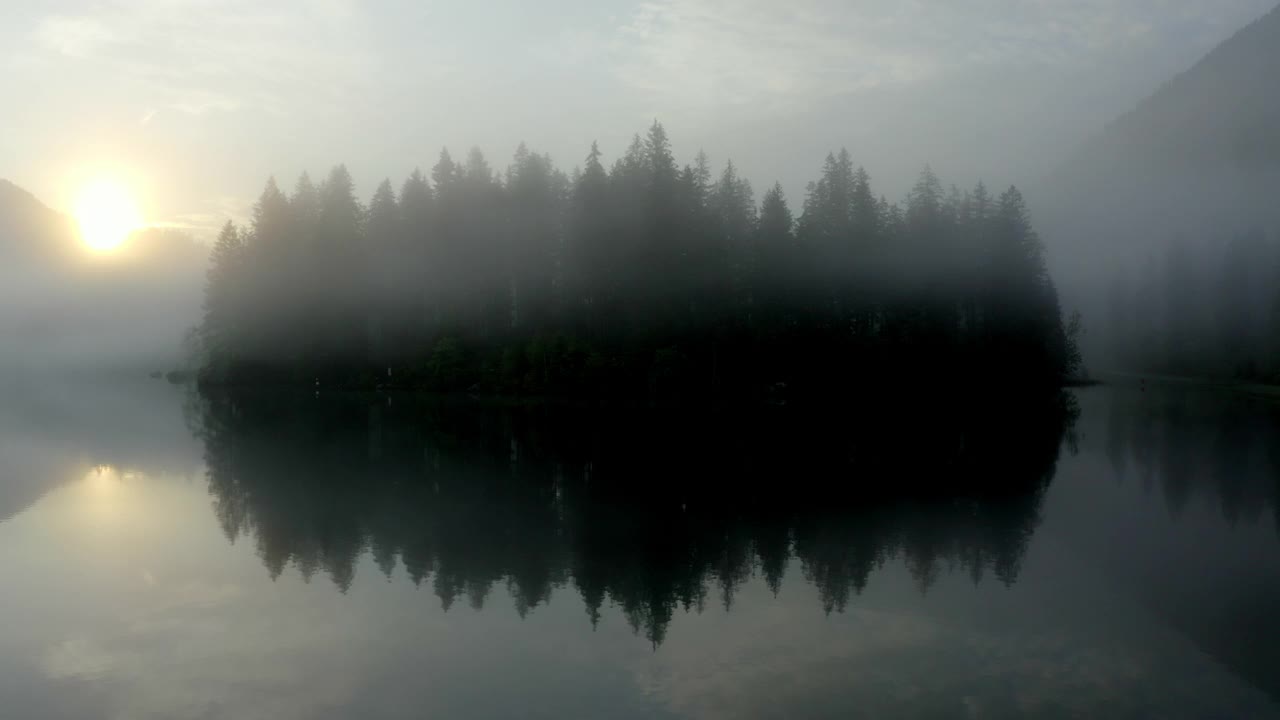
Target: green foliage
{"x":1074,"y":360}
{"x":447,"y":365}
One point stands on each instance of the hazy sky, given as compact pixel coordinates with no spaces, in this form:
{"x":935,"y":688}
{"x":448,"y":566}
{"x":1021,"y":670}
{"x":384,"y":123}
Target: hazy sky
{"x":196,"y":102}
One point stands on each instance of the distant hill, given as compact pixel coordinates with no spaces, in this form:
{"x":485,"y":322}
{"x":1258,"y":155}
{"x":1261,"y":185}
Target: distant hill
{"x":29,"y":229}
{"x":1195,"y":164}
{"x":1200,"y":154}
{"x":1203,"y":148}
{"x":62,"y":306}
{"x":1222,"y":114}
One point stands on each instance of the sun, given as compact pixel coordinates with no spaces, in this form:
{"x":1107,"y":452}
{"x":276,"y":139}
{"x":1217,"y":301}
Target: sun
{"x":107,"y":214}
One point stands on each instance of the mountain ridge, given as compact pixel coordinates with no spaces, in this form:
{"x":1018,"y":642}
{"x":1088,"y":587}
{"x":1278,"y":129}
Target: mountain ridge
{"x":1201,"y":150}
{"x":1189,"y":170}
{"x":29,"y":229}
{"x":1232,"y":76}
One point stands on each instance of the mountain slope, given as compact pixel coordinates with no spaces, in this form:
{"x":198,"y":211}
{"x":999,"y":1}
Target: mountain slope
{"x":28,"y":229}
{"x":1204,"y":146}
{"x":62,"y":306}
{"x":1223,"y":113}
{"x":1139,"y":222}
{"x":1198,"y":157}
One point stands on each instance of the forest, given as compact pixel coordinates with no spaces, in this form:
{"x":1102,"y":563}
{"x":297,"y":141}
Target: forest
{"x":1208,"y":307}
{"x":642,"y":279}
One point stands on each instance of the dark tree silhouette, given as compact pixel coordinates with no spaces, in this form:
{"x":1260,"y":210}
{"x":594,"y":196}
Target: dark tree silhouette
{"x":653,"y":512}
{"x":643,"y":282}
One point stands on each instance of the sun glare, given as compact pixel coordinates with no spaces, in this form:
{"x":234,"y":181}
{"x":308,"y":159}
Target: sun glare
{"x":107,"y":215}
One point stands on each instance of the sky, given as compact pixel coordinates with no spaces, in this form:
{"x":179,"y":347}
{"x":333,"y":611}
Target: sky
{"x":194,"y":103}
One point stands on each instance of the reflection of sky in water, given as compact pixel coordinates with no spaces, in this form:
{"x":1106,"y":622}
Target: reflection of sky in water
{"x":124,"y":599}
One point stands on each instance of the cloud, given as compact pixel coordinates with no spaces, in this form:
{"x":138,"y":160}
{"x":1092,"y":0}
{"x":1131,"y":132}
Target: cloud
{"x":192,"y":74}
{"x":206,"y":224}
{"x":233,"y":90}
{"x":754,"y":52}
{"x":718,"y":51}
{"x":76,"y":37}
{"x":196,"y":56}
{"x":76,"y":658}
{"x":198,"y":102}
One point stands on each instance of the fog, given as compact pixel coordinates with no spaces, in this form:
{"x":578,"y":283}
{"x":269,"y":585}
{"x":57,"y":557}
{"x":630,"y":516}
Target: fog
{"x":55,"y":433}
{"x":204,"y":101}
{"x":676,"y":358}
{"x":65,"y":309}
{"x":1081,"y":105}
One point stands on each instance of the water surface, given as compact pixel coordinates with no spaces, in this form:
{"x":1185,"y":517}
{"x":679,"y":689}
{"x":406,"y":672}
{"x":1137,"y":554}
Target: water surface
{"x":1115,"y":554}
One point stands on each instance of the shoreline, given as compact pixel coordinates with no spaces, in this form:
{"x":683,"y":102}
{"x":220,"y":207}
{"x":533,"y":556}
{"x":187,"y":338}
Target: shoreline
{"x":1245,"y":387}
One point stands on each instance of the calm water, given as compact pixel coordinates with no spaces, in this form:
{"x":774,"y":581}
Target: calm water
{"x":1114,"y":555}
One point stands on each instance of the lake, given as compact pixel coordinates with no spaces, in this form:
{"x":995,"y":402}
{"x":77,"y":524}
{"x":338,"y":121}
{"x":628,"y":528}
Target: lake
{"x":1113,"y":552}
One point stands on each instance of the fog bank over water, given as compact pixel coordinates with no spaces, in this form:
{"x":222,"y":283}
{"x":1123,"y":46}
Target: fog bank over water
{"x":67,"y":308}
{"x":55,"y":430}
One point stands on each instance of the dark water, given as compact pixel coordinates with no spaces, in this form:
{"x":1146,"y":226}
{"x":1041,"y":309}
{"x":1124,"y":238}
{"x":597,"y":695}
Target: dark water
{"x":1113,"y":553}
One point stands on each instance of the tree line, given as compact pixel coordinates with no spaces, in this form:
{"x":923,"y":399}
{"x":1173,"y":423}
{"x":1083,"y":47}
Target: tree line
{"x":643,"y":278}
{"x":1207,"y":307}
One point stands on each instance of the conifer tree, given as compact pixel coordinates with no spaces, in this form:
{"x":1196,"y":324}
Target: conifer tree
{"x":225,"y":306}
{"x":648,"y":278}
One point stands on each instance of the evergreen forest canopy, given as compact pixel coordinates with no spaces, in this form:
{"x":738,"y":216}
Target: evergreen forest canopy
{"x":641,"y":279}
{"x":1207,"y":306}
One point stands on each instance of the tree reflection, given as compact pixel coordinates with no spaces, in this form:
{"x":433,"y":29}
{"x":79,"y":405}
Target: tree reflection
{"x":1203,"y":448}
{"x":1199,"y":444}
{"x":651,"y":512}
